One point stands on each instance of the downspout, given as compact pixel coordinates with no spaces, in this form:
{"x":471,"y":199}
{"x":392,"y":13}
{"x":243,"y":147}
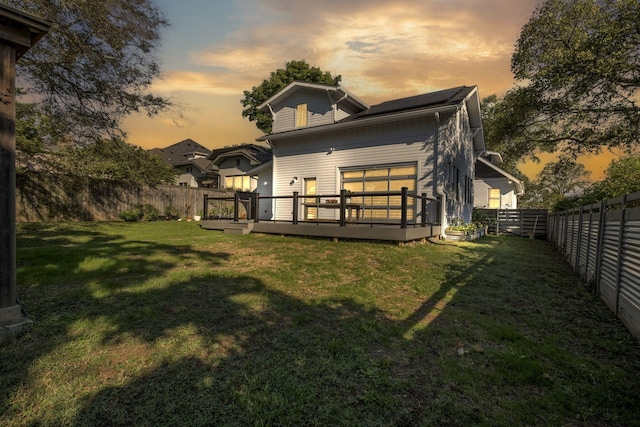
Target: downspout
{"x":437,"y":191}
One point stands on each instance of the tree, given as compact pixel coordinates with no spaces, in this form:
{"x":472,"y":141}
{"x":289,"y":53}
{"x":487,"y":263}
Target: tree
{"x":498,"y":120}
{"x":94,"y":67}
{"x":556,"y":182}
{"x":621,"y":177}
{"x":578,"y":70}
{"x":116,"y":160}
{"x":293,"y":71}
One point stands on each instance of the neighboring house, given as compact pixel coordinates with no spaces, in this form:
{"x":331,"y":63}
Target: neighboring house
{"x":246,"y":168}
{"x":326,"y":139}
{"x":238,"y":166}
{"x":494,"y":187}
{"x":191,"y":160}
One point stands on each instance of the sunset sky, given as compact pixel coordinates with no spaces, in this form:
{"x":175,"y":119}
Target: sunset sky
{"x":213,"y":51}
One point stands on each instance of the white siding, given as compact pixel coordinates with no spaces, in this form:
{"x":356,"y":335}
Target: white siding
{"x":456,"y":155}
{"x":312,"y":157}
{"x":265,"y":189}
{"x":319,"y":108}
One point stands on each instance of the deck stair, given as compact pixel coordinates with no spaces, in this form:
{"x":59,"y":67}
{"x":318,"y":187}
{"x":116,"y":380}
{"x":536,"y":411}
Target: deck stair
{"x":238,"y":228}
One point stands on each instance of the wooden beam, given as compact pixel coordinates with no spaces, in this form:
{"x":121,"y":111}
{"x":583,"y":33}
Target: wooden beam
{"x":14,"y":35}
{"x":7,"y":177}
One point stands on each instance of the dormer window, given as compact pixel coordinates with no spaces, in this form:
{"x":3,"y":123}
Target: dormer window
{"x":301,"y":115}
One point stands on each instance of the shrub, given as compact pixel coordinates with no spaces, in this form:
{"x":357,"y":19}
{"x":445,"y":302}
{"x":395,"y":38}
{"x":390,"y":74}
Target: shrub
{"x":130,"y":215}
{"x":150,"y":213}
{"x":171,"y":212}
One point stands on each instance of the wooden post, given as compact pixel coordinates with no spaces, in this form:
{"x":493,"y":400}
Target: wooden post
{"x":205,"y":207}
{"x":403,"y":207}
{"x":7,"y":178}
{"x":18,"y":32}
{"x":295,"y":208}
{"x":256,"y":206}
{"x":236,"y":206}
{"x":343,"y":208}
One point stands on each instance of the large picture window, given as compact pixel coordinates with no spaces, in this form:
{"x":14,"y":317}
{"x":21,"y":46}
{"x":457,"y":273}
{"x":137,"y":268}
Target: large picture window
{"x":381,"y":179}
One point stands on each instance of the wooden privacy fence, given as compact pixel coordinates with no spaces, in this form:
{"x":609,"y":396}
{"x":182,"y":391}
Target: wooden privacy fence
{"x":520,"y":222}
{"x":45,"y":197}
{"x":602,"y":244}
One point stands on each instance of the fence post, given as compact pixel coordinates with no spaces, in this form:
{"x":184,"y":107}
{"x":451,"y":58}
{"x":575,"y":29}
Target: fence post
{"x":424,"y":210}
{"x":601,"y":224}
{"x":578,"y":241}
{"x":619,"y":257}
{"x":403,"y":204}
{"x":205,"y":207}
{"x":564,"y":237}
{"x":588,"y":250}
{"x":295,"y":208}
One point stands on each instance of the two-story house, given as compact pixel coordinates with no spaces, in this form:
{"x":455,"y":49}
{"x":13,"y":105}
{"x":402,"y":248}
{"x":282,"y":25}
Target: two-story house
{"x":326,"y":139}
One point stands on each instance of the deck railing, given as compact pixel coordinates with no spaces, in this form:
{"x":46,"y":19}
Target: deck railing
{"x":346,"y":208}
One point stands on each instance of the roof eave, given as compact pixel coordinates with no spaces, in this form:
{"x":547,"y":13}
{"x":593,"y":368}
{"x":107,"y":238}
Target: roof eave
{"x":357,"y":123}
{"x":517,"y":183}
{"x":282,"y":93}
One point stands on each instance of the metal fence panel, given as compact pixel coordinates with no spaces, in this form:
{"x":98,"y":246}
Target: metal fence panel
{"x":602,"y":243}
{"x":629,"y":299}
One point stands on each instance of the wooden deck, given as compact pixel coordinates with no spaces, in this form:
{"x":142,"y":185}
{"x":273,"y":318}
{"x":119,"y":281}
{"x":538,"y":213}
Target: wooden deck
{"x":358,"y":231}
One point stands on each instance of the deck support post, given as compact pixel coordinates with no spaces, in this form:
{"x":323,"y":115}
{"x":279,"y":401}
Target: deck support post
{"x":423,"y":223}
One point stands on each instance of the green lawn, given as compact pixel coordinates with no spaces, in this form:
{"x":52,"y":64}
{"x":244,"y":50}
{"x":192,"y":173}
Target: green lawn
{"x":165,"y":324}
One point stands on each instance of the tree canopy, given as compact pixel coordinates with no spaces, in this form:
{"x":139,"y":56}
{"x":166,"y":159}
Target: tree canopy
{"x":116,"y":160}
{"x":578,"y":72}
{"x":94,"y":67}
{"x":556,"y":182}
{"x":622,"y":177}
{"x":293,"y":71}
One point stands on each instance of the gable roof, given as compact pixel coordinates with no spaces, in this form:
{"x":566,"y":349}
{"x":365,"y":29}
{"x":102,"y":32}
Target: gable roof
{"x":256,"y":154}
{"x":486,"y":169}
{"x":181,"y":152}
{"x":337,"y":93}
{"x":429,"y":103}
